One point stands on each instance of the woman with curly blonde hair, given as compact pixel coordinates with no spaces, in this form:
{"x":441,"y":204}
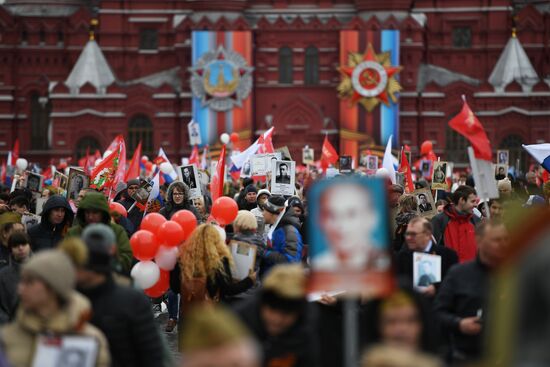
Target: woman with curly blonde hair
{"x":204,"y":271}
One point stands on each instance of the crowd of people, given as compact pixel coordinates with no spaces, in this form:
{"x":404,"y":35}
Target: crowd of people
{"x":69,"y":275}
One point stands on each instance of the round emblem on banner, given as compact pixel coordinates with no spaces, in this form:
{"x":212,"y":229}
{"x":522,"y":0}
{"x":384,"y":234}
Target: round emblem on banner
{"x":221,"y":79}
{"x":369,"y":79}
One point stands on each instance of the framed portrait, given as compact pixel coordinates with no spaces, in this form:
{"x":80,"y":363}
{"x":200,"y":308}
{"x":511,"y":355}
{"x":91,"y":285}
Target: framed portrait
{"x":426,"y":168}
{"x":194,"y":133}
{"x":501,"y":170}
{"x":142,"y":194}
{"x":283,"y":178}
{"x":78,"y":180}
{"x":244,"y":255}
{"x":190,"y":176}
{"x":33,"y":181}
{"x":261,"y":164}
{"x":66,"y":351}
{"x":426,"y":206}
{"x":346,"y":164}
{"x":308,"y":156}
{"x":503,"y":157}
{"x":372,"y":163}
{"x":426,"y":269}
{"x":60,"y":181}
{"x":439,"y":176}
{"x":246,"y":170}
{"x":350,"y":236}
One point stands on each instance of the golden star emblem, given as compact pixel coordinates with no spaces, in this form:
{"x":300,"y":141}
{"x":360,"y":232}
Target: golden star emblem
{"x":369,"y":79}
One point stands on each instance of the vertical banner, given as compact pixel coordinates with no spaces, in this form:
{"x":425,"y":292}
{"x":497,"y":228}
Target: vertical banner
{"x":389,"y":115}
{"x":221,"y":82}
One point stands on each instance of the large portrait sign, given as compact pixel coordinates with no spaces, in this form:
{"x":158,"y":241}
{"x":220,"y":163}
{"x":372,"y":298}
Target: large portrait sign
{"x":349,"y":230}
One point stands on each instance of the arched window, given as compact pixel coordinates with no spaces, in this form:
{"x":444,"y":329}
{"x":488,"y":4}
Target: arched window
{"x":87,"y":144}
{"x":285,"y":65}
{"x":312,"y":66}
{"x":140,"y":129}
{"x":40,"y":120}
{"x":456,"y":147}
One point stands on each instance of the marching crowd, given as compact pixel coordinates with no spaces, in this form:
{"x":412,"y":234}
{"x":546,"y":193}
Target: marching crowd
{"x":70,"y":275}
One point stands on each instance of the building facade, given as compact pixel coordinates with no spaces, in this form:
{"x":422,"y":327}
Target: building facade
{"x":61,"y":92}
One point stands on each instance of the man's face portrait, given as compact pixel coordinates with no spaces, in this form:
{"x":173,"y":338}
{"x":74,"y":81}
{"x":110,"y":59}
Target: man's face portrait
{"x":283,"y":170}
{"x":346,"y":218}
{"x":422,"y":199}
{"x":426,"y":267}
{"x":186,"y":172}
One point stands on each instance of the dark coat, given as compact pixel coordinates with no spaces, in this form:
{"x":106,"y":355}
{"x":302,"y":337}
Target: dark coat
{"x":135,"y":216}
{"x":404,"y":261}
{"x":463,"y":293}
{"x":45,"y":235}
{"x":124,"y":315}
{"x":9,"y":278}
{"x":286,"y":244}
{"x":298,"y":346}
{"x":170,"y":208}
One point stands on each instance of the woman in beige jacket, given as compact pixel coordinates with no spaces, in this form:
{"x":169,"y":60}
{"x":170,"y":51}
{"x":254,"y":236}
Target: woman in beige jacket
{"x":49,"y":306}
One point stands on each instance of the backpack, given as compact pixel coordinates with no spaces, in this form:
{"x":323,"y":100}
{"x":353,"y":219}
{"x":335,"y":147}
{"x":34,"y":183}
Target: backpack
{"x":195,"y":292}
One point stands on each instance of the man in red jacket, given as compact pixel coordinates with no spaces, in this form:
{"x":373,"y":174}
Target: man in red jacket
{"x":455,"y":226}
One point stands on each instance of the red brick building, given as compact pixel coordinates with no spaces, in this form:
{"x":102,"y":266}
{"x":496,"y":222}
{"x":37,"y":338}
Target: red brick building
{"x":134,"y":78}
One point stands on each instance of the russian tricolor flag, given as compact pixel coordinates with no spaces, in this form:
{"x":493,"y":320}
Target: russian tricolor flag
{"x":168,"y":177}
{"x":541,"y":153}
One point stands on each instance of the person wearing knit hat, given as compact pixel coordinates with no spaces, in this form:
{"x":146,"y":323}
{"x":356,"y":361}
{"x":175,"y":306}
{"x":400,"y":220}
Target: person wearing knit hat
{"x":213,"y":336}
{"x":48,"y":305}
{"x":262,"y":197}
{"x":125,"y":198}
{"x":248,"y":200}
{"x":281,"y":319}
{"x":134,"y":338}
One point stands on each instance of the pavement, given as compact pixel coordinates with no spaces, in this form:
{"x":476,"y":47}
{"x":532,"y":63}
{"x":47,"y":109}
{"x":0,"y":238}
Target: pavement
{"x":171,"y":338}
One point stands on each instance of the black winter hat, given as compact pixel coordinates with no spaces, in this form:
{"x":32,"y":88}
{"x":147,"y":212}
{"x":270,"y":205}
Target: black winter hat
{"x":275,"y":204}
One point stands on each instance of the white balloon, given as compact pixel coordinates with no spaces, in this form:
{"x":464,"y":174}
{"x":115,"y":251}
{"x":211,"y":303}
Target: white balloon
{"x":145,"y":274}
{"x":167,"y":257}
{"x":146,"y":158}
{"x":106,"y":154}
{"x":224,"y":138}
{"x":21,"y":164}
{"x":223,"y":235}
{"x":166,"y":167}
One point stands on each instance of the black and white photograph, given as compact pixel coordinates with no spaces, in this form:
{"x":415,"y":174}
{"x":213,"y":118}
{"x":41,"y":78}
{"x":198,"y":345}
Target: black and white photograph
{"x":372,"y":163}
{"x":246,"y":170}
{"x":426,"y":269}
{"x":66,"y":351}
{"x":501,"y":171}
{"x":283,"y":177}
{"x":33,"y":181}
{"x":307,"y":155}
{"x":78,"y":180}
{"x":346,"y":164}
{"x":425,"y":201}
{"x":190,"y":177}
{"x":194,"y":133}
{"x":261,"y":164}
{"x":60,"y":181}
{"x":439,"y":177}
{"x":503,"y":157}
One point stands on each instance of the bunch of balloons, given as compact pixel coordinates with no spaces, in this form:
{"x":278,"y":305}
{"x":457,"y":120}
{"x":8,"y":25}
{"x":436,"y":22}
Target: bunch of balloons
{"x":156,"y":243}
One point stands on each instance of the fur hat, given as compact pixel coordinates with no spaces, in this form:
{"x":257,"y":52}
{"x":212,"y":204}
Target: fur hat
{"x":55,"y":269}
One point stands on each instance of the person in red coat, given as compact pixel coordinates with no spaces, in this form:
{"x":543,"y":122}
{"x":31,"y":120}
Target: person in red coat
{"x":455,"y":226}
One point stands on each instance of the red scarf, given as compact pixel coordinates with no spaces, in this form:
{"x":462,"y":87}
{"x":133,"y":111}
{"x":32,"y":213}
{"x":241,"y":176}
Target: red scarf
{"x":460,"y":234}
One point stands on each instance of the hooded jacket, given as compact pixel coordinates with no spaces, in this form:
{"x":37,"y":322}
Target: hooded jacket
{"x":9,"y":278}
{"x":17,"y":338}
{"x":46,"y":235}
{"x":286,"y":243}
{"x":171,"y":207}
{"x":96,"y":201}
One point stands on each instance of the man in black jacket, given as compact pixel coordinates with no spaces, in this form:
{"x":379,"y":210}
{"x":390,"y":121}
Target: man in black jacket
{"x":461,"y":300}
{"x":281,"y":319}
{"x":123,"y":314}
{"x":57,"y":217}
{"x":419,"y":238}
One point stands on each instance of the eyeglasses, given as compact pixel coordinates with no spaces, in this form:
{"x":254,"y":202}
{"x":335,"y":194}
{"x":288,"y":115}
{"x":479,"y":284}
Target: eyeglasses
{"x":177,"y":194}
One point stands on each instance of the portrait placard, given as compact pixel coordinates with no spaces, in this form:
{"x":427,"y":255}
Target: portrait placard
{"x":244,"y":255}
{"x":426,"y":269}
{"x":261,"y":164}
{"x":501,"y":170}
{"x":425,"y":201}
{"x":307,"y":156}
{"x":66,"y":351}
{"x":33,"y":181}
{"x":283,"y":176}
{"x":503,"y":157}
{"x":349,"y":236}
{"x":194,"y":133}
{"x":346,"y":164}
{"x":439,"y":176}
{"x":189,"y":175}
{"x":60,"y":181}
{"x":78,"y":180}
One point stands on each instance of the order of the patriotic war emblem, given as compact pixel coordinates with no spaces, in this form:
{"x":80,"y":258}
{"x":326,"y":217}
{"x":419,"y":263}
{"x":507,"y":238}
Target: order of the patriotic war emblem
{"x":221,"y":79}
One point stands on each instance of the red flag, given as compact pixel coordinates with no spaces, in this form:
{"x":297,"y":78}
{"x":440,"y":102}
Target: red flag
{"x":216,"y":186}
{"x":467,"y":124}
{"x":103,"y":175}
{"x":405,"y":168}
{"x":118,"y":145}
{"x":3,"y":171}
{"x":194,"y":158}
{"x":15,"y":152}
{"x":133,"y":168}
{"x":328,"y":154}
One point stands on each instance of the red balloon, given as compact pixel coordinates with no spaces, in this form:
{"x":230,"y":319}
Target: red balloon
{"x":119,"y":208}
{"x":225,"y":210}
{"x":144,"y":245}
{"x":187,"y":220}
{"x":234,"y":138}
{"x":426,"y":147}
{"x":152,"y":222}
{"x":161,"y":286}
{"x":171,"y":234}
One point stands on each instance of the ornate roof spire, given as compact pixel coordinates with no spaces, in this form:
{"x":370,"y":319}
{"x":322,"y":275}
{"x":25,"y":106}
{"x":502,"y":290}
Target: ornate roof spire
{"x":513,"y":64}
